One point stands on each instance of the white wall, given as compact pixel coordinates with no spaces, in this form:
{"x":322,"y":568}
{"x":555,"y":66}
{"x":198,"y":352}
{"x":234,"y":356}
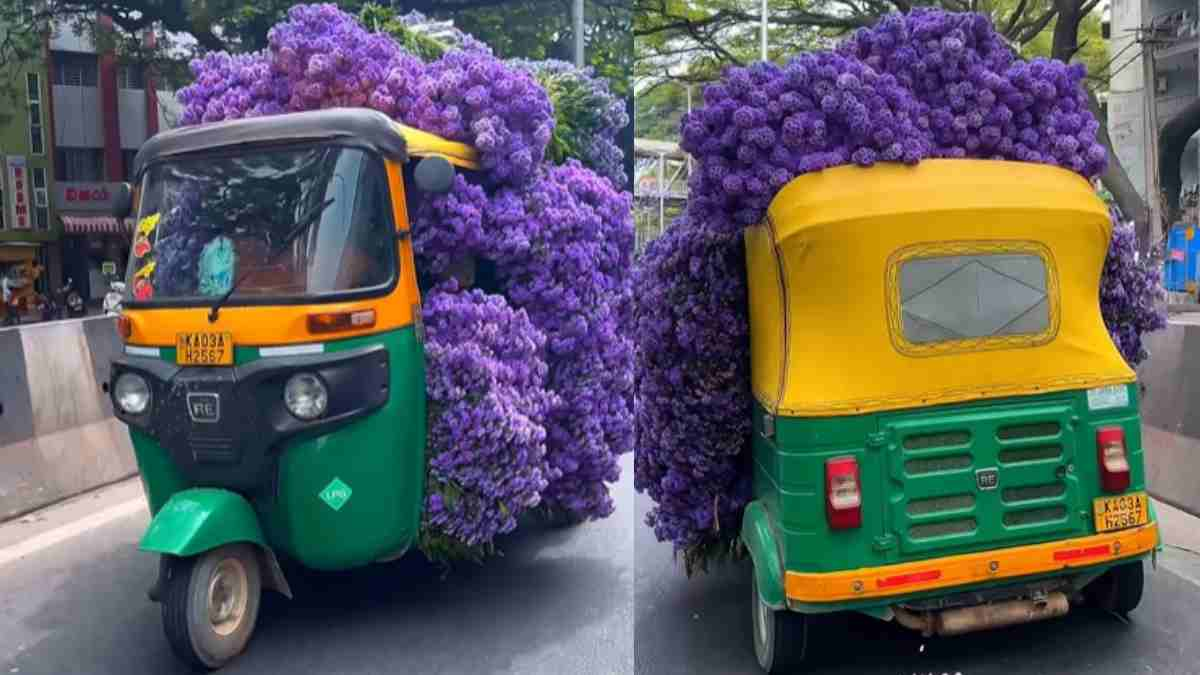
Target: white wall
{"x":1126,"y":125}
{"x":132,"y":115}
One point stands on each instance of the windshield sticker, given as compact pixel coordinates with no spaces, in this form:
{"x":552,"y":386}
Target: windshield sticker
{"x":147,"y":224}
{"x":143,"y":290}
{"x":141,"y":246}
{"x":217,"y":262}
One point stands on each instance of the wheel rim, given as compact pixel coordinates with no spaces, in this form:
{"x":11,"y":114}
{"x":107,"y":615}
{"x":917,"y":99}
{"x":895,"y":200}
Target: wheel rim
{"x":761,"y":613}
{"x":228,"y":596}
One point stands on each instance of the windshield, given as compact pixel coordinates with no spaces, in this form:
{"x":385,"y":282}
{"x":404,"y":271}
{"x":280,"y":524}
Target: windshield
{"x":288,"y":223}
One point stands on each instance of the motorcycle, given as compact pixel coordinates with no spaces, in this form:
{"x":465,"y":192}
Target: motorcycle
{"x":113,"y":298}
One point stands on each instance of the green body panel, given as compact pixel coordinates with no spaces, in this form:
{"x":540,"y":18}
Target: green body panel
{"x":199,"y":520}
{"x":380,"y":456}
{"x":764,"y":551}
{"x":1046,"y":482}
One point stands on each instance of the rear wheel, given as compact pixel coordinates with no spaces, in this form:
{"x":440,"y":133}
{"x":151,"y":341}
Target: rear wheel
{"x":210,"y":604}
{"x":780,"y":636}
{"x":1119,"y":589}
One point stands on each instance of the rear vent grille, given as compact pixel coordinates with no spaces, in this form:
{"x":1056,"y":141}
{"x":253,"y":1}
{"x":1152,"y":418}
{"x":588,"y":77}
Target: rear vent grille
{"x":213,"y":449}
{"x":1034,"y":516}
{"x":946,"y":439}
{"x":942,"y":529}
{"x":917,"y":467}
{"x":1028,"y":492}
{"x":919,"y":507}
{"x":1037,"y":430}
{"x":1015,"y":455}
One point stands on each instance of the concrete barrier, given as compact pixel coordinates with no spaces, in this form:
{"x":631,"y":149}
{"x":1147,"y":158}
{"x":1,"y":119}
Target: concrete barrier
{"x":1171,"y":414}
{"x":58,"y":436}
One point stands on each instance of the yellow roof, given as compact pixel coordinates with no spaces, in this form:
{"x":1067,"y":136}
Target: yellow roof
{"x":423,"y":144}
{"x":830,"y":328}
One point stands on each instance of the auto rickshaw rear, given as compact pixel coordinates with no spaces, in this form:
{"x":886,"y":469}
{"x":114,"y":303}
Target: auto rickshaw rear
{"x":945,"y":433}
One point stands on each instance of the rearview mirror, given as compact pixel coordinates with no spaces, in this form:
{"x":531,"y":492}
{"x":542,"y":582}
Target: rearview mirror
{"x":434,"y":174}
{"x":123,"y":201}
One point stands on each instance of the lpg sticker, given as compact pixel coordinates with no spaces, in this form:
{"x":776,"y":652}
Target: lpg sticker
{"x":336,"y":494}
{"x":1100,"y":398}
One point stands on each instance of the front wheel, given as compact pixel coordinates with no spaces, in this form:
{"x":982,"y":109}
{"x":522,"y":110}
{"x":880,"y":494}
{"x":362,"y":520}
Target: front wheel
{"x":210,"y":604}
{"x":780,"y":635}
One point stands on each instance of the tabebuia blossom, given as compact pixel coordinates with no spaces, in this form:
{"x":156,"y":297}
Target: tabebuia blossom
{"x":529,"y":376}
{"x":488,"y":403}
{"x":928,"y":83}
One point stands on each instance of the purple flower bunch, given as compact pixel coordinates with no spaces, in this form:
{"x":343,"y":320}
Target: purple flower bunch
{"x":488,"y":407}
{"x":693,"y":387}
{"x":177,"y":250}
{"x":322,"y":57}
{"x":588,"y":116}
{"x":563,"y":248}
{"x":448,"y":226}
{"x":925,"y":84}
{"x":1131,"y":294}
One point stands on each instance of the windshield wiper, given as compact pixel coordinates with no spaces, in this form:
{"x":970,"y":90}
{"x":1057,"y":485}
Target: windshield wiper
{"x":302,"y":224}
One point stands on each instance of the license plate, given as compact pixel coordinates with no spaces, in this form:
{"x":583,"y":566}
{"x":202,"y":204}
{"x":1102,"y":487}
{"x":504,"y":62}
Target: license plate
{"x":1119,"y":513}
{"x":204,"y":349}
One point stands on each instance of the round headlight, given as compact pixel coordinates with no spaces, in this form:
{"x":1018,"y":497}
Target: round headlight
{"x":132,"y":394}
{"x":305,"y":396}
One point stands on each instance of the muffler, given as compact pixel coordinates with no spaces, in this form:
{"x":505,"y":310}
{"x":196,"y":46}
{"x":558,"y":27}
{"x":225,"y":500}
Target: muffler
{"x":983,"y":617}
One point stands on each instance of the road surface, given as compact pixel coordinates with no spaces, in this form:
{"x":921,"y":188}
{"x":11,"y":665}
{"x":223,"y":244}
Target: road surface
{"x":702,"y":625}
{"x":73,"y":601}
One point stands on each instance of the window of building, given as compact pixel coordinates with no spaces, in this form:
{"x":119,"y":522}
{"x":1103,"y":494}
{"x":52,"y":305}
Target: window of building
{"x":79,"y":164}
{"x":41,"y":198}
{"x":76,"y":70}
{"x":37,"y":141}
{"x":130,"y":76}
{"x":127,"y":161}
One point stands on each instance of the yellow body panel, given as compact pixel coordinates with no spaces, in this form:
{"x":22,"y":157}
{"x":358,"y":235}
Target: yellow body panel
{"x":969,"y":568}
{"x":423,"y":144}
{"x":288,"y":324}
{"x":824,"y":331}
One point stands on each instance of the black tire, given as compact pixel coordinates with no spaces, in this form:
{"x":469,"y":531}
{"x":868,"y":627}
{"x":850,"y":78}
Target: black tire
{"x":187,"y":619}
{"x":1120,"y":589}
{"x":780,"y":635}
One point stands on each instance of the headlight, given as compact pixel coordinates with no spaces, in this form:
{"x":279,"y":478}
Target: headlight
{"x":132,"y":393}
{"x":305,"y":396}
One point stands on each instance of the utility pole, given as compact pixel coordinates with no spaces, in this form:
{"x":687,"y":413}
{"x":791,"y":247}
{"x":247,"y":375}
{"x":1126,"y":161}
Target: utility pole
{"x":1150,"y":96}
{"x":763,"y":29}
{"x":577,"y":22}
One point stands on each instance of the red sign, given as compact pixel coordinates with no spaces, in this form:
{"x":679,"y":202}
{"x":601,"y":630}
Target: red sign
{"x":1176,"y":254}
{"x":88,"y":194}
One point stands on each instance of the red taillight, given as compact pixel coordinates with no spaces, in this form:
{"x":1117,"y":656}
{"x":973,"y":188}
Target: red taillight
{"x":1114,"y":464}
{"x":124,"y":327}
{"x":333,"y":322}
{"x":843,"y":493}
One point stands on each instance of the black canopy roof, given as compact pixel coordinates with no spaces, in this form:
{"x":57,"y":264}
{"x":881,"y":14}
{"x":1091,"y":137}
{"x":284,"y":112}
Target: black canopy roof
{"x":369,"y":128}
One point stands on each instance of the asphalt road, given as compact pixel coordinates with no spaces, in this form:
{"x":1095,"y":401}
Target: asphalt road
{"x":702,"y":625}
{"x":558,"y":601}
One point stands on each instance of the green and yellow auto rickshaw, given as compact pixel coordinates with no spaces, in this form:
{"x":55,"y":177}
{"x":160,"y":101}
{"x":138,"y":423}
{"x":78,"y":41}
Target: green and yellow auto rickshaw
{"x":273,"y":372}
{"x":945,"y":434}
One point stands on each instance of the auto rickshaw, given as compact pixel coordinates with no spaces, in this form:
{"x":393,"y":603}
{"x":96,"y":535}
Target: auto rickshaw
{"x":273,"y":371}
{"x":945,"y":434}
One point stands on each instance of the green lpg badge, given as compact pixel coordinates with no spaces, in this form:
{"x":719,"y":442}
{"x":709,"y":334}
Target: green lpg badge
{"x":336,"y":494}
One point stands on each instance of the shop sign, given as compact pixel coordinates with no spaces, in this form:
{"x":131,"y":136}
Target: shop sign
{"x":18,"y":182}
{"x":70,"y":196}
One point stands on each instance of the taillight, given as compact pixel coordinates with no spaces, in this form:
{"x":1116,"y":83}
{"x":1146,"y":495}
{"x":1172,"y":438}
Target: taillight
{"x":332,"y":322}
{"x":124,"y":327}
{"x":1114,"y":464}
{"x":843,"y":493}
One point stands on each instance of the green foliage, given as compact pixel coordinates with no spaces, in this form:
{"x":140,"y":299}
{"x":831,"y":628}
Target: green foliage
{"x":384,"y":19}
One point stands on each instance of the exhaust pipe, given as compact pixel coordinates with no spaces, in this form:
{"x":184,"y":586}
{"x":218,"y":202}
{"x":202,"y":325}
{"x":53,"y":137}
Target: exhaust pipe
{"x":983,"y":617}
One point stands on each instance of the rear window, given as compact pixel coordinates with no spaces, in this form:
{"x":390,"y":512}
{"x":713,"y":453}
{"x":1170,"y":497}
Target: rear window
{"x":972,"y":296}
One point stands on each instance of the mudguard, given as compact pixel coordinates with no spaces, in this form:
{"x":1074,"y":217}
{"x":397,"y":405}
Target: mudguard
{"x":201,"y":519}
{"x":759,"y":538}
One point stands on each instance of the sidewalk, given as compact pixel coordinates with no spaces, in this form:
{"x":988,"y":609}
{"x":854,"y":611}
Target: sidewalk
{"x":1181,"y":541}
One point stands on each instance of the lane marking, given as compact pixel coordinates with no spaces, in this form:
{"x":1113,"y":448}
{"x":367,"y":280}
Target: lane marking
{"x":71,"y":530}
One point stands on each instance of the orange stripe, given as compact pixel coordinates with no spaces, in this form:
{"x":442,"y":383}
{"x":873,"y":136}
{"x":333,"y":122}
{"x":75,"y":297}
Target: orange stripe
{"x":970,"y":568}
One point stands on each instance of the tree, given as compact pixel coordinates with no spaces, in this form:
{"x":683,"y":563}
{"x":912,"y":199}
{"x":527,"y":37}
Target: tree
{"x":690,"y":40}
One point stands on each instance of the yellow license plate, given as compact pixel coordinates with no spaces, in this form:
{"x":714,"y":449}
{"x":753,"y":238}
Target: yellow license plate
{"x":1119,"y":513}
{"x":204,"y":349}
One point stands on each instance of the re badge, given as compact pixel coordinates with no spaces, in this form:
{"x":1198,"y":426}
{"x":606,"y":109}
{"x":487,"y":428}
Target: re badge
{"x":987,"y":479}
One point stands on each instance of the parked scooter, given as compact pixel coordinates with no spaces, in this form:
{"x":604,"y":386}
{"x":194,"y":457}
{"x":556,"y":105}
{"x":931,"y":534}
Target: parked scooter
{"x":48,"y":307}
{"x":113,"y":298}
